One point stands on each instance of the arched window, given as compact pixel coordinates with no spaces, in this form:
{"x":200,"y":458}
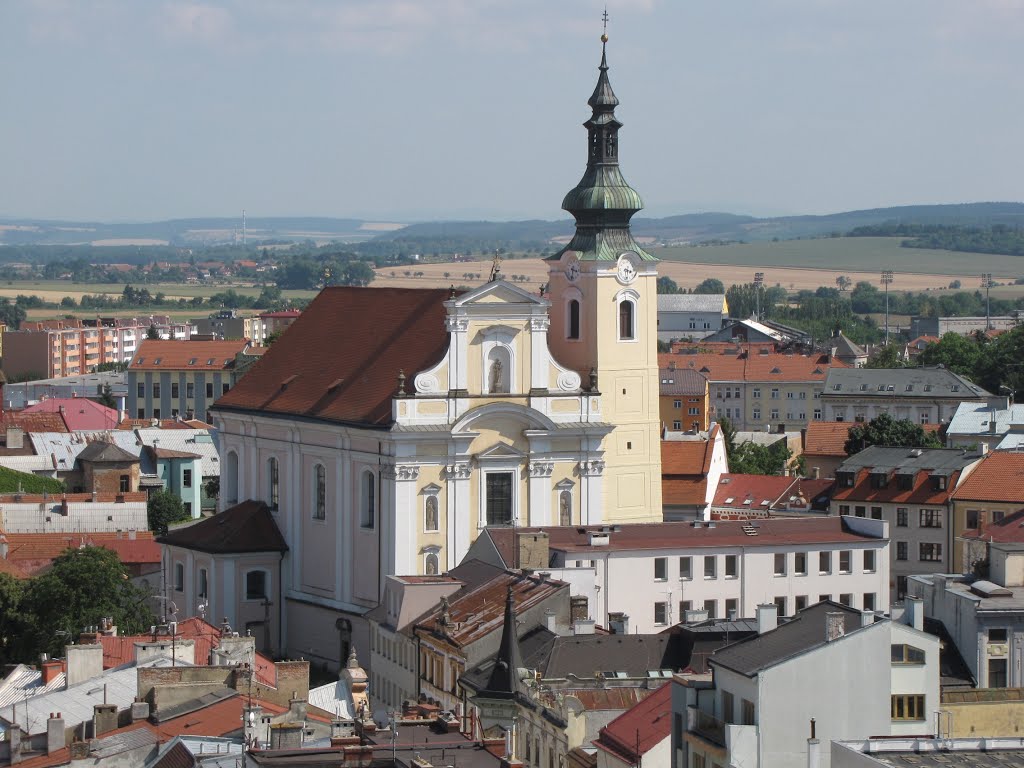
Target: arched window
{"x":499,"y":371}
{"x":430,"y":517}
{"x":565,"y":508}
{"x":627,"y":320}
{"x":369,"y":500}
{"x":430,"y":564}
{"x":319,"y":492}
{"x":231,"y":478}
{"x":274,"y":481}
{"x":574,"y":319}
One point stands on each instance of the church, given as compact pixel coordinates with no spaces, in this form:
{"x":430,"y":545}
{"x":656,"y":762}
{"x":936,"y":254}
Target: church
{"x":388,"y":427}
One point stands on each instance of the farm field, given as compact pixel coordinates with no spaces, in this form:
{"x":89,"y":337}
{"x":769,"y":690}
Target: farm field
{"x":55,"y":290}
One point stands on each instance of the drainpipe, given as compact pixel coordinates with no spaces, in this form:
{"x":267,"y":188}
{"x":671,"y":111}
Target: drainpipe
{"x":813,"y":749}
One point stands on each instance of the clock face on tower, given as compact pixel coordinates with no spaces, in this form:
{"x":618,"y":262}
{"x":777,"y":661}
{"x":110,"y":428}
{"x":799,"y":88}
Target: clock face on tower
{"x":572,"y":272}
{"x":625,"y":271}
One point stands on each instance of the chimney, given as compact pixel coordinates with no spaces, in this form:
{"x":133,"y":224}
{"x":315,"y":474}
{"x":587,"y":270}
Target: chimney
{"x":867,"y":618}
{"x":54,"y":733}
{"x":286,"y":736}
{"x":104,"y":719}
{"x":816,"y":473}
{"x":140,"y":710}
{"x":84,"y":662}
{"x":583,"y":627}
{"x":813,"y":748}
{"x":767,"y":617}
{"x":618,"y":623}
{"x":579,"y":608}
{"x":913,"y":612}
{"x":50,"y":669}
{"x":549,"y":620}
{"x":533,"y":551}
{"x":835,"y":625}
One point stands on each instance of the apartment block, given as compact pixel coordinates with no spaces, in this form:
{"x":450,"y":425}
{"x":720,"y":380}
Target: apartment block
{"x":228,"y":324}
{"x":684,"y":400}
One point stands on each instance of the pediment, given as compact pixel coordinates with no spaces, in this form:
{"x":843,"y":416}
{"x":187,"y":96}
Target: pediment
{"x":499,"y":292}
{"x":431,"y":490}
{"x":500,"y":451}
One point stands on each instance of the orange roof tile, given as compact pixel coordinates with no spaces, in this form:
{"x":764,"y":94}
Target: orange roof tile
{"x":640,"y":728}
{"x":999,"y":477}
{"x":686,"y":457}
{"x":827,"y":438}
{"x":733,"y":490}
{"x":186,"y":355}
{"x":754,"y":366}
{"x":684,"y":491}
{"x":32,"y":552}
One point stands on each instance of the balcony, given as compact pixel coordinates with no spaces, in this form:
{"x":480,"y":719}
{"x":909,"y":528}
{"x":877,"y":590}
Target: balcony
{"x":705,"y":725}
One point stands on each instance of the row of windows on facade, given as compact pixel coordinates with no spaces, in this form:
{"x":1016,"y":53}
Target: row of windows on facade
{"x":662,"y":616}
{"x":734,"y":393}
{"x":693,"y":411}
{"x":880,"y":480}
{"x":498,"y":497}
{"x":627,"y":319}
{"x":190,"y":390}
{"x":926,"y":552}
{"x":927,"y":518}
{"x":256,"y":583}
{"x":782,"y":564}
{"x":839,"y":414}
{"x":773,"y":414}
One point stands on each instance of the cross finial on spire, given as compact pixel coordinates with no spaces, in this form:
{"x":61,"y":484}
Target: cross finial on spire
{"x":604,"y":19}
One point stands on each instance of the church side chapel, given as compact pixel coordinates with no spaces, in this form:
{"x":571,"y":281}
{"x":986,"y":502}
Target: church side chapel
{"x":389,"y":426}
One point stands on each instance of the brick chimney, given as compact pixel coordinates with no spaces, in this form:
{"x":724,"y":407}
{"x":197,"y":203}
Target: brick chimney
{"x":50,"y":670}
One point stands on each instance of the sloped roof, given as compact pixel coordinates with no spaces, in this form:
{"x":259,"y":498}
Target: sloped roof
{"x":802,"y":633}
{"x":682,"y":381}
{"x":32,"y":552}
{"x":1009,"y":530}
{"x":103,"y":452}
{"x":686,"y":457}
{"x":33,"y":422}
{"x":640,"y":728}
{"x":587,"y":655}
{"x":171,"y":355}
{"x":826,"y":438}
{"x":753,"y":366}
{"x":975,"y":419}
{"x":691,"y":302}
{"x":370,"y":333}
{"x":999,"y":477}
{"x":245,"y":527}
{"x":762,"y":491}
{"x":910,"y":383}
{"x":684,"y":491}
{"x":78,"y":412}
{"x":846,"y":348}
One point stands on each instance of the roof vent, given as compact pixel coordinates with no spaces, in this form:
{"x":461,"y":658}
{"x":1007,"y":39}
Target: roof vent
{"x":750,"y":530}
{"x":289,"y":380}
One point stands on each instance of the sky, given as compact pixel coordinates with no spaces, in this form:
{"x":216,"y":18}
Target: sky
{"x":404,"y":110}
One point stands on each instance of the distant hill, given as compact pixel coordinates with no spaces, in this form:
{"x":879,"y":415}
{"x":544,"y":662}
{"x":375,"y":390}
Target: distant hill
{"x":671,"y":230}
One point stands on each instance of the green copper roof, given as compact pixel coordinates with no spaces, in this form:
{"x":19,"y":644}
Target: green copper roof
{"x":602,"y":202}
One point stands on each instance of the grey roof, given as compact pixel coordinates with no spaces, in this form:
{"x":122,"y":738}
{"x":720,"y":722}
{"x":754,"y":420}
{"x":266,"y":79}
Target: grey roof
{"x":119,"y":743}
{"x":332,"y":697}
{"x":846,"y":348}
{"x":586,"y":655}
{"x":960,"y":587}
{"x":682,"y":381}
{"x":535,"y":647}
{"x":923,"y":383}
{"x":805,"y":632}
{"x":101,"y":451}
{"x":928,"y":753}
{"x":974,"y":418}
{"x":942,"y":460}
{"x":691,"y":302}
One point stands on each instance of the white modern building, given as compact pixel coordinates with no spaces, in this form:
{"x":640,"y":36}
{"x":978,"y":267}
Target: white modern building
{"x":643,"y":578}
{"x":853,"y":673}
{"x":690,"y":315}
{"x":999,"y":426}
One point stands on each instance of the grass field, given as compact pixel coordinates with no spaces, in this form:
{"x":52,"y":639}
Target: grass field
{"x":55,"y":290}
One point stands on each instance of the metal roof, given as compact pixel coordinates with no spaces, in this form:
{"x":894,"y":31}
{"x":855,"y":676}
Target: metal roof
{"x":24,"y":682}
{"x":913,"y":459}
{"x":920,"y":383}
{"x":691,"y":302}
{"x":974,"y":419}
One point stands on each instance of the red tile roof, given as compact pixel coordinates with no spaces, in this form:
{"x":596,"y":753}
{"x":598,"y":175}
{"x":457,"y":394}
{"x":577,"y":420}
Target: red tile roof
{"x":33,"y":422}
{"x":734,"y":490}
{"x":11,"y":569}
{"x":684,"y":491}
{"x":32,"y":552}
{"x":686,"y":457}
{"x":998,"y":477}
{"x":632,"y":537}
{"x":923,"y":490}
{"x":186,"y":355}
{"x":78,"y":413}
{"x":640,"y":728}
{"x":607,"y":698}
{"x":371,"y":333}
{"x":826,"y":438}
{"x":754,"y":366}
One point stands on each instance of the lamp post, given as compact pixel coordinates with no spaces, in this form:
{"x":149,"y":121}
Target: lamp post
{"x":758,"y":282}
{"x":986,"y":283}
{"x":886,"y":279}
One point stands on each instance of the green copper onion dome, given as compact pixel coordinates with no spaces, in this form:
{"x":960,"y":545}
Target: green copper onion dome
{"x":603,"y":203}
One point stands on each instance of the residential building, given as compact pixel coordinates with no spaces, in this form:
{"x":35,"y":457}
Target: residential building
{"x":438,"y":414}
{"x":747,"y":497}
{"x":228,"y":324}
{"x":690,"y":468}
{"x":73,"y":512}
{"x":57,"y":348}
{"x":921,"y":395}
{"x":824,"y":446}
{"x":910,"y":489}
{"x":999,"y":426}
{"x":90,"y":385}
{"x":684,"y":399}
{"x":757,"y":388}
{"x":179,"y":472}
{"x":768,"y":689}
{"x":231,"y":565}
{"x":940,"y":326}
{"x":640,"y":736}
{"x":171,"y":379}
{"x":690,"y":315}
{"x":991,"y":494}
{"x":276,"y":322}
{"x":644,"y":578}
{"x":105,"y":468}
{"x":925,"y":752}
{"x":78,"y":413}
{"x":847,"y":351}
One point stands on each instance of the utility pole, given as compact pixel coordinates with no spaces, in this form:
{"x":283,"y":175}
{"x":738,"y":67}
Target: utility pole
{"x":758,"y":282}
{"x":986,"y":283}
{"x":886,"y":279}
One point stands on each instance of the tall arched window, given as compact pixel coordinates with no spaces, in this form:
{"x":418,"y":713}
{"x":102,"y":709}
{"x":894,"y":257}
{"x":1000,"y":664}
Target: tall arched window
{"x":574,"y":319}
{"x":274,"y":483}
{"x":320,"y":492}
{"x":369,"y":500}
{"x":231,"y":478}
{"x":627,"y":320}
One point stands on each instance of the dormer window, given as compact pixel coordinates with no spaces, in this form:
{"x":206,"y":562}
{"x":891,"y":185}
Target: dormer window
{"x":846,"y":479}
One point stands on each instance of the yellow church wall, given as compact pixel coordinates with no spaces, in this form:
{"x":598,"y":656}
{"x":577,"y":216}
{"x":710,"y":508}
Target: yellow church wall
{"x":476,"y":335}
{"x":430,"y":474}
{"x":566,"y":405}
{"x":432,"y":408}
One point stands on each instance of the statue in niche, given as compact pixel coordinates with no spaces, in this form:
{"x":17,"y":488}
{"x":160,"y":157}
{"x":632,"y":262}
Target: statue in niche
{"x":497,"y":385}
{"x":431,"y":514}
{"x":565,"y":508}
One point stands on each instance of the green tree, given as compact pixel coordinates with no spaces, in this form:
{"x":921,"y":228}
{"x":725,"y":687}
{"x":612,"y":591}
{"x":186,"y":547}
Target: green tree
{"x":15,"y":624}
{"x":81,"y":587}
{"x":958,"y":353}
{"x":711,"y":285}
{"x":755,"y":459}
{"x":106,"y":396}
{"x":163,"y":509}
{"x":667,"y":285}
{"x":886,"y":357}
{"x":152,"y":333}
{"x":885,"y":430}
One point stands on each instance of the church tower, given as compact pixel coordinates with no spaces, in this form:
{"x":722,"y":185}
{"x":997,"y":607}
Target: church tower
{"x":604,"y":315}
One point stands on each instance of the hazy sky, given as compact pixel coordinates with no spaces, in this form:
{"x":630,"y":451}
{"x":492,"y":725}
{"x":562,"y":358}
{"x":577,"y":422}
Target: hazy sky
{"x":412,"y":109}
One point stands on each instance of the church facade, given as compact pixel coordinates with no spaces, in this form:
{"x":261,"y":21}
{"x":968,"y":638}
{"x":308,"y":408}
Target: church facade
{"x":388,"y":427}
